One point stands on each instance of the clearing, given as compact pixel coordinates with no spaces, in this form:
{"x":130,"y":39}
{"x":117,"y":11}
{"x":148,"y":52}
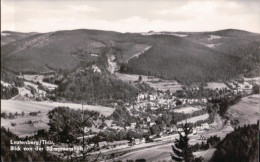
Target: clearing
{"x":194,"y":119}
{"x":27,"y":125}
{"x":187,"y":110}
{"x":44,"y":106}
{"x":38,"y":78}
{"x":156,"y":83}
{"x":246,"y":111}
{"x":215,"y":85}
{"x":214,"y":37}
{"x":5,"y":84}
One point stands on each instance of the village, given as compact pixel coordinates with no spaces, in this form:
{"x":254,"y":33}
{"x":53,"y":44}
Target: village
{"x":155,"y":117}
{"x":152,"y":108}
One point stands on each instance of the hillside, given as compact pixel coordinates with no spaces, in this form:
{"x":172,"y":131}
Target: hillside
{"x":185,"y":57}
{"x":240,"y":145}
{"x":9,"y":36}
{"x":64,"y":50}
{"x":172,"y":57}
{"x":242,"y":44}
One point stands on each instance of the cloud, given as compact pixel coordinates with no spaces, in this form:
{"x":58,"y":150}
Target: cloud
{"x":130,"y":16}
{"x":84,"y":8}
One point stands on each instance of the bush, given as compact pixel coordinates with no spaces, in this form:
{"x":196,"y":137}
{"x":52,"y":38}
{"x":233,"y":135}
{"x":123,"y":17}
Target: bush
{"x":4,"y":115}
{"x":33,"y":113}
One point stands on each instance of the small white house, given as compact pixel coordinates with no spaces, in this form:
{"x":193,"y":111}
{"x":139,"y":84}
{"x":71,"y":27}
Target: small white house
{"x":133,"y":125}
{"x":152,"y":123}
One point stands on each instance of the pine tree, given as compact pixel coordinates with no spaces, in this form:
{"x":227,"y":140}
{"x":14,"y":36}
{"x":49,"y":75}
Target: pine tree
{"x":181,"y":149}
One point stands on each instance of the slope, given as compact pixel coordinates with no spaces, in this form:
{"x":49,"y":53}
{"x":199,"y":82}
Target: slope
{"x":9,"y":36}
{"x":186,"y":59}
{"x":172,"y":57}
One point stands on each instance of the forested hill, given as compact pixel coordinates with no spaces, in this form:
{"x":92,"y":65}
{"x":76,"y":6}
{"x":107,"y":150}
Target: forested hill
{"x":241,"y":145}
{"x":187,"y":59}
{"x":177,"y":58}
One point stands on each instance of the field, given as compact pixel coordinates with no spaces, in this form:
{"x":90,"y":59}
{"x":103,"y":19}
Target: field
{"x":34,"y":78}
{"x":246,"y":111}
{"x":40,"y":121}
{"x":215,"y":85}
{"x":5,"y":84}
{"x":39,"y":78}
{"x":44,"y":106}
{"x":154,"y":82}
{"x":136,"y":50}
{"x":195,"y":119}
{"x":255,"y":79}
{"x":26,"y":125}
{"x":187,"y":110}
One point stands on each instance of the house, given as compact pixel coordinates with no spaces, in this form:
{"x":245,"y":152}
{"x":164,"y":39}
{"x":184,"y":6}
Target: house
{"x":86,"y":137}
{"x":205,"y":126}
{"x":102,"y":144}
{"x":112,"y":125}
{"x":179,"y":129}
{"x":133,"y":125}
{"x":152,"y":123}
{"x":169,"y":129}
{"x":174,"y":128}
{"x":86,"y":129}
{"x":194,"y":131}
{"x":184,"y":101}
{"x":164,"y":128}
{"x":136,"y":141}
{"x":204,"y":100}
{"x":152,"y":104}
{"x":148,"y":119}
{"x":189,"y":101}
{"x":142,"y":140}
{"x":161,"y":101}
{"x":152,"y":97}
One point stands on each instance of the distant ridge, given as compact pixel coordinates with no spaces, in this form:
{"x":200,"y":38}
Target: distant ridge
{"x":197,"y":56}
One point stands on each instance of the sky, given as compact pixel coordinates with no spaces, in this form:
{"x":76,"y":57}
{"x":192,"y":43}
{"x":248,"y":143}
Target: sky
{"x":130,"y":15}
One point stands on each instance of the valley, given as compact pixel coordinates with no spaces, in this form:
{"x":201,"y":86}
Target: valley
{"x":137,"y":90}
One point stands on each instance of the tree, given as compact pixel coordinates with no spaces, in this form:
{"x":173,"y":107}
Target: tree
{"x":181,"y":148}
{"x":256,"y":89}
{"x":140,"y":79}
{"x":178,"y":102}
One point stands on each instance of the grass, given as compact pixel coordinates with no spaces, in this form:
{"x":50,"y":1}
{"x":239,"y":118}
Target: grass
{"x":41,"y":119}
{"x":186,"y":110}
{"x":215,"y":85}
{"x":44,"y":106}
{"x":246,"y":111}
{"x":195,"y":119}
{"x":154,"y":82}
